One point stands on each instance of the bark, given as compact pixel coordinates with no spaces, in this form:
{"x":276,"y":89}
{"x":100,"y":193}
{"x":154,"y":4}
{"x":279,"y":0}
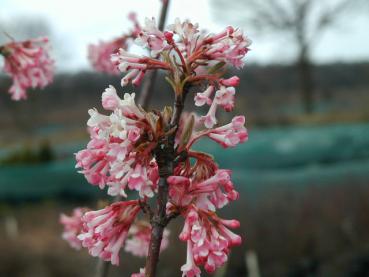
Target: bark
{"x":165,"y":157}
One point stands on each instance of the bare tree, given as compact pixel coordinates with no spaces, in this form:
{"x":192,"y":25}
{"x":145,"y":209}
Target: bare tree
{"x":303,"y":20}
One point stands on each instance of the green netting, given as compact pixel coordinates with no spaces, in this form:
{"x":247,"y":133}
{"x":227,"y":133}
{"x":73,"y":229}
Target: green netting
{"x":291,"y":157}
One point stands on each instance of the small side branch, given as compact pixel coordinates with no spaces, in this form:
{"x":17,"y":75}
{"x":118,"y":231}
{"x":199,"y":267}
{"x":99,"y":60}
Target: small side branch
{"x":145,"y":207}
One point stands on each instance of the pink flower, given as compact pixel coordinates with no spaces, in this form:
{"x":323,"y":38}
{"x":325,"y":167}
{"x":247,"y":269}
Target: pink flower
{"x":230,"y":82}
{"x":73,"y":227}
{"x":151,"y":37}
{"x":106,"y":230}
{"x":187,"y":31}
{"x":110,"y":99}
{"x":231,"y":134}
{"x":208,"y":240}
{"x":29,"y":64}
{"x":203,"y":98}
{"x":100,"y":55}
{"x":139,"y":239}
{"x":190,"y":269}
{"x":178,"y":190}
{"x":182,"y":46}
{"x":139,"y":180}
{"x":213,"y":192}
{"x":135,"y":66}
{"x":225,"y":97}
{"x":210,"y":119}
{"x":228,"y":46}
{"x":113,"y":157}
{"x":94,"y":162}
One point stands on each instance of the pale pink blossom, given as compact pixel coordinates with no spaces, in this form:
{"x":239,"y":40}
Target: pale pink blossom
{"x":231,"y":134}
{"x":110,"y":100}
{"x":73,"y":226}
{"x":106,"y":230}
{"x":29,"y":64}
{"x":210,"y":193}
{"x":230,"y":82}
{"x":151,"y":37}
{"x":188,"y":46}
{"x":210,"y":119}
{"x":208,"y":240}
{"x":190,"y":269}
{"x":203,"y":98}
{"x":113,"y":157}
{"x":139,"y":239}
{"x":228,"y":46}
{"x":135,"y":66}
{"x":100,"y":55}
{"x":139,"y":181}
{"x":225,"y":97}
{"x":187,"y":32}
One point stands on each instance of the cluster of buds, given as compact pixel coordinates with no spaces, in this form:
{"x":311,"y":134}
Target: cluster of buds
{"x":120,"y":152}
{"x":29,"y":64}
{"x":208,"y":240}
{"x":192,"y":57}
{"x":99,"y":54}
{"x":73,"y":226}
{"x":144,"y":152}
{"x":104,"y":232}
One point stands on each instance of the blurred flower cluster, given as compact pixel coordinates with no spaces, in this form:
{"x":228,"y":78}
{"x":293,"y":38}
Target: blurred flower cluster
{"x":29,"y":64}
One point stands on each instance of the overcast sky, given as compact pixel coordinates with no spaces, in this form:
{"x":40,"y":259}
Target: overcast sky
{"x":76,"y":23}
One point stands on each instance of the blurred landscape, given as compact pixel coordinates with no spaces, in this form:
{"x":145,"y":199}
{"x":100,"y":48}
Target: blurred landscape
{"x":303,"y":175}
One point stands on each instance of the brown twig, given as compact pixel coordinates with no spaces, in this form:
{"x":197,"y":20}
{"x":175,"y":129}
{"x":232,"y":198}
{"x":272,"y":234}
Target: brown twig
{"x":145,"y":207}
{"x":165,"y":157}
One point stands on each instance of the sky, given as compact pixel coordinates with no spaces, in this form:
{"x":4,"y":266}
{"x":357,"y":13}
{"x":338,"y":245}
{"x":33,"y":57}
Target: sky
{"x":76,"y":23}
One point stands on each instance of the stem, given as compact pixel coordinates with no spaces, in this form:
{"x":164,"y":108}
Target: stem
{"x":165,"y":157}
{"x":149,"y":83}
{"x":102,"y":268}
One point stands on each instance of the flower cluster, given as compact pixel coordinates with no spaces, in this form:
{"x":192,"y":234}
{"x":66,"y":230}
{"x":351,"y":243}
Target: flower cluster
{"x":208,"y":241}
{"x":105,"y":231}
{"x":119,"y":153}
{"x":99,"y":54}
{"x":184,"y":50}
{"x":151,"y":152}
{"x":29,"y":64}
{"x":196,"y":192}
{"x":72,"y":227}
